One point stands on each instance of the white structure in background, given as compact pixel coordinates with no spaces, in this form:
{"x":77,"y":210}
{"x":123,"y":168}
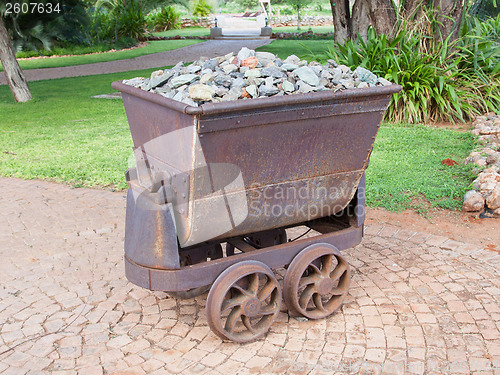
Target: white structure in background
{"x":262,"y":4}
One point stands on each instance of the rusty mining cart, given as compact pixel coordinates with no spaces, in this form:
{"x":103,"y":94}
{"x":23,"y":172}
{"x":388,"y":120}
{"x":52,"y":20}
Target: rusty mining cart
{"x":215,"y":188}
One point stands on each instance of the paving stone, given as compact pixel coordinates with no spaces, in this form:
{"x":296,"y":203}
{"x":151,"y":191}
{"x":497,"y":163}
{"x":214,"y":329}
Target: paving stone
{"x":411,"y":306}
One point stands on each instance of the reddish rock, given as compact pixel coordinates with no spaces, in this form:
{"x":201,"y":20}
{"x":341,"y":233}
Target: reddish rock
{"x":245,"y":94}
{"x":251,"y":62}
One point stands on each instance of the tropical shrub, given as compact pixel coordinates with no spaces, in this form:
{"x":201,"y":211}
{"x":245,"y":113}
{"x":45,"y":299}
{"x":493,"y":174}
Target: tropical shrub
{"x":163,"y":20}
{"x":34,"y":30}
{"x":440,"y":80}
{"x":201,"y":8}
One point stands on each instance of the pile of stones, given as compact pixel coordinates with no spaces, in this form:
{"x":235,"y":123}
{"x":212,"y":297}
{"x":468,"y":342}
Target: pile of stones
{"x":485,"y":191}
{"x":249,"y":74}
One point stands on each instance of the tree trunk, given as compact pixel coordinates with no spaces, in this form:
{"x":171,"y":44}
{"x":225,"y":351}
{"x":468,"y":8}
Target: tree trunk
{"x":341,"y":20}
{"x":298,"y":18}
{"x":13,"y":72}
{"x":360,"y":19}
{"x":412,"y":9}
{"x":383,"y":17}
{"x":449,"y":17}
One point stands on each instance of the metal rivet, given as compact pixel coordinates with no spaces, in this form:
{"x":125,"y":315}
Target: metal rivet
{"x":201,"y":135}
{"x":203,"y":126}
{"x":238,"y":122}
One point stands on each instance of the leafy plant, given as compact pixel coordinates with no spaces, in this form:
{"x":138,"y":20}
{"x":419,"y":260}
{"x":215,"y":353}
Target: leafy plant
{"x":163,"y":20}
{"x":441,"y":80}
{"x":201,"y":8}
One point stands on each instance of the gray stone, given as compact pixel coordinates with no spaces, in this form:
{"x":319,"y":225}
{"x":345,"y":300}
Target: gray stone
{"x":307,"y":75}
{"x":201,"y":92}
{"x":207,"y":77}
{"x":337,"y":76}
{"x":362,"y":85}
{"x":265,"y":57}
{"x":233,"y":94}
{"x":193,"y":68}
{"x":365,"y":75}
{"x":221,"y":91}
{"x":288,"y":86}
{"x":265,"y":90}
{"x":333,"y":63}
{"x":304,"y":88}
{"x":289,"y":67}
{"x":229,"y":68}
{"x":134,"y":81}
{"x":184,"y":79}
{"x":272,"y":71}
{"x":222,"y":80}
{"x":253,"y":73}
{"x":347,"y":83}
{"x":292,"y":59}
{"x":253,"y":91}
{"x":382,"y":81}
{"x":160,"y":79}
{"x":245,"y":53}
{"x":210,"y":64}
{"x":344,"y":69}
{"x":493,"y":198}
{"x":238,"y":82}
{"x":473,"y":201}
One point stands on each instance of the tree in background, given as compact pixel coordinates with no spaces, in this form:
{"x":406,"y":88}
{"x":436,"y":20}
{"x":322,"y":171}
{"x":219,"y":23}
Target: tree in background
{"x":384,"y":15}
{"x":298,"y":5}
{"x":13,"y":72}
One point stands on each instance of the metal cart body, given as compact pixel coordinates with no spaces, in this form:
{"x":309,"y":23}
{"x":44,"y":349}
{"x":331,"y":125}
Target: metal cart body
{"x":241,"y":173}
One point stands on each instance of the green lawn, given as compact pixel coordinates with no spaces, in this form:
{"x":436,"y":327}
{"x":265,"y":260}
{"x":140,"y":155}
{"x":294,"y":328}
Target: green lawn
{"x":187,"y":31}
{"x":405,"y":167}
{"x":284,"y":48}
{"x":303,"y":29}
{"x":65,"y":135}
{"x":152,"y":47}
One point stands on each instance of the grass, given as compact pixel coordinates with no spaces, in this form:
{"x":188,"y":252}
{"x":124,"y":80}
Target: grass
{"x":187,"y":31}
{"x":201,"y":31}
{"x":66,"y":136}
{"x":58,"y":62}
{"x":301,"y":48}
{"x":303,"y":29}
{"x":405,"y":167}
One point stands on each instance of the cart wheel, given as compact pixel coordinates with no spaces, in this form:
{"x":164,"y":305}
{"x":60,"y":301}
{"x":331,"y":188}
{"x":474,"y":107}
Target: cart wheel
{"x":317,"y":281}
{"x":243,"y":302}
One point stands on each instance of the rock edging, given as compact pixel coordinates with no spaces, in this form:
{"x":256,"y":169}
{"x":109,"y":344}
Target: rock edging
{"x":485,"y":191}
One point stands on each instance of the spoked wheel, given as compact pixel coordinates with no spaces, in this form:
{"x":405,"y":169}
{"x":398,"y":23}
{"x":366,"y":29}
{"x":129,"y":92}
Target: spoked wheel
{"x":317,"y":281}
{"x":243,"y":302}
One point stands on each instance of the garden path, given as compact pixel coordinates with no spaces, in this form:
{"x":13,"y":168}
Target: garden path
{"x":210,"y":48}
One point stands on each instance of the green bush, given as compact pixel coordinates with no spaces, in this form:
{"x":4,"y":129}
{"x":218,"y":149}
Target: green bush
{"x":201,"y":8}
{"x":115,"y":19}
{"x":441,"y":80}
{"x":163,"y":20}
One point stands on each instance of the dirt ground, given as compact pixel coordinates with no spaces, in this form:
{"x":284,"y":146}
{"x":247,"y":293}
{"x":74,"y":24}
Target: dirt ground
{"x":459,"y":226}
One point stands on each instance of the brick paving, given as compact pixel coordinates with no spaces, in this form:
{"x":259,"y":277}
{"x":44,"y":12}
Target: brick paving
{"x":418,"y":303}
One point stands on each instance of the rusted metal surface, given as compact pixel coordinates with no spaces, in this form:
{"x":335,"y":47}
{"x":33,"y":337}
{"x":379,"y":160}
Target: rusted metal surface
{"x":316,"y":282}
{"x":150,"y":236}
{"x":226,"y":161}
{"x":243,"y":302}
{"x":202,"y":274}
